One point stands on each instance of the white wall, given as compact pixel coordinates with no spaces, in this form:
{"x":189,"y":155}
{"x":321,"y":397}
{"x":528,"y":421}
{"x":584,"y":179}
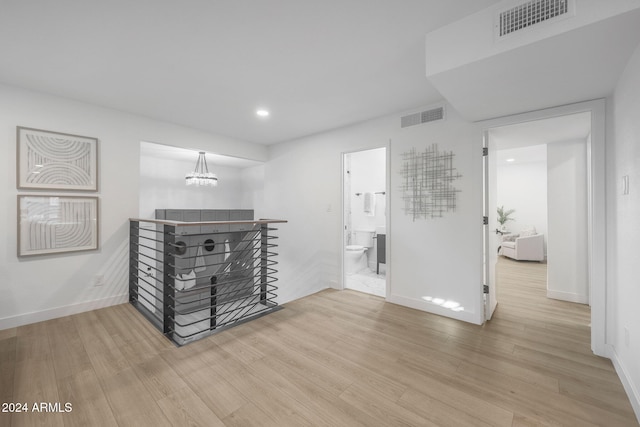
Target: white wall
{"x":44,"y":287}
{"x":623,"y":232}
{"x":252,"y":195}
{"x":368,"y":174}
{"x":303,"y":185}
{"x":440,"y":257}
{"x":567,"y":270}
{"x":162,"y":185}
{"x":522,"y":185}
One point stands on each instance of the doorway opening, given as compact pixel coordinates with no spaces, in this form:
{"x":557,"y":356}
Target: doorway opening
{"x":364,"y":211}
{"x":565,"y":147}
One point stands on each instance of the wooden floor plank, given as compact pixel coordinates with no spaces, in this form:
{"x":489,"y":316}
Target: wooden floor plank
{"x":388,"y":413}
{"x":7,"y":366}
{"x":185,"y":408}
{"x":250,"y":415}
{"x":216,"y":392}
{"x":106,"y":357}
{"x":440,"y":413}
{"x":130,"y":401}
{"x":335,"y":358}
{"x":89,"y":404}
{"x":35,"y":383}
{"x":67,"y":349}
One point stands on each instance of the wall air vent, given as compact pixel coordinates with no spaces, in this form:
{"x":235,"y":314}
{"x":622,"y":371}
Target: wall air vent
{"x":422,"y":117}
{"x":531,"y":13}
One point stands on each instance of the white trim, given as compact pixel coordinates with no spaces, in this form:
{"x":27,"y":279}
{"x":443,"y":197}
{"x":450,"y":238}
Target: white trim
{"x":627,"y":383}
{"x":389,"y":236}
{"x":567,"y":296}
{"x":597,"y":210}
{"x":54,"y":313}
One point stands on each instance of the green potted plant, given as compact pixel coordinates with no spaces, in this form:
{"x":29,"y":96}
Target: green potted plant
{"x":504,"y":216}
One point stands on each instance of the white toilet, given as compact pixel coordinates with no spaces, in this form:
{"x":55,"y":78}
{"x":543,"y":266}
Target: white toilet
{"x":355,"y":256}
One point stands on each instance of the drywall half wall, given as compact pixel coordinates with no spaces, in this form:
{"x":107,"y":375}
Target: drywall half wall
{"x":623,"y":232}
{"x":45,"y":287}
{"x":567,"y":270}
{"x":439,"y":258}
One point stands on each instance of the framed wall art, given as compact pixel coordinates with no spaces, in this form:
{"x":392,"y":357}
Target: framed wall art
{"x":56,"y":161}
{"x":56,"y":224}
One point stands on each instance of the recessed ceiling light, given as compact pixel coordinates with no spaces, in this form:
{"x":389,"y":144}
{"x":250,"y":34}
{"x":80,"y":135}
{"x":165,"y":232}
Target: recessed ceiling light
{"x":262,"y":113}
{"x":511,"y":160}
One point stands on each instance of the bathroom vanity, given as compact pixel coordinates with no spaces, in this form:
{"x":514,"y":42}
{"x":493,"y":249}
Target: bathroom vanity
{"x":381,"y":252}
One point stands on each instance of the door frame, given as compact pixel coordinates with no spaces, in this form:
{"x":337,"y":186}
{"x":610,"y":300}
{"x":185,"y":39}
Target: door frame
{"x":596,"y":210}
{"x":343,"y":224}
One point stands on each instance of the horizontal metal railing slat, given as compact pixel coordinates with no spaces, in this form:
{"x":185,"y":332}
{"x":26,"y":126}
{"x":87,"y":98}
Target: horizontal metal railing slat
{"x":233,"y":285}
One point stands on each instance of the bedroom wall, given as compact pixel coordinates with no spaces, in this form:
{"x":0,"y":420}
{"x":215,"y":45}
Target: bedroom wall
{"x":522,"y":185}
{"x":567,"y":268}
{"x":44,"y":287}
{"x":623,"y":232}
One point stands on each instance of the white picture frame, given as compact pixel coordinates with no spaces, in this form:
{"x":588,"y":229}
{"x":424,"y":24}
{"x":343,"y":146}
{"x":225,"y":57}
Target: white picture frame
{"x":49,"y":224}
{"x":49,"y":160}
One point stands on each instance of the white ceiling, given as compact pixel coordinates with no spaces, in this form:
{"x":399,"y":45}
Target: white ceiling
{"x":209,"y":64}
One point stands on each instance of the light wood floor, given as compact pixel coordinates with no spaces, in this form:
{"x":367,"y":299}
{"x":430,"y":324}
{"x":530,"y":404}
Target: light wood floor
{"x":331,"y":359}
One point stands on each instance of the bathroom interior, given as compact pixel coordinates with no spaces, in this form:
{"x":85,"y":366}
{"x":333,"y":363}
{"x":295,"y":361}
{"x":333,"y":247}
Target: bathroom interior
{"x":365,"y":213}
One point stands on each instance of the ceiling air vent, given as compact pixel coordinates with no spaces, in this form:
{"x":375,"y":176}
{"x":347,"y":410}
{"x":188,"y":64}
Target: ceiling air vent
{"x":531,"y":13}
{"x":422,"y":117}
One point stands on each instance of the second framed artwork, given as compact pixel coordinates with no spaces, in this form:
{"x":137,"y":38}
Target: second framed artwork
{"x":56,"y":161}
{"x":56,"y":224}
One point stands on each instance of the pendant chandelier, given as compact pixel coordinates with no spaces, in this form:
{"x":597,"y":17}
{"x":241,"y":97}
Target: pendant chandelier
{"x":201,"y":174}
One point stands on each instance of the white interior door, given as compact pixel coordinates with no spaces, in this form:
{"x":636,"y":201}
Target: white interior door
{"x":490,"y":237}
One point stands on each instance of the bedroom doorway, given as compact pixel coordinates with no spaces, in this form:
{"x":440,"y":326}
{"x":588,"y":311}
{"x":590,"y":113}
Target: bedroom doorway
{"x":574,"y":139}
{"x":539,"y":182}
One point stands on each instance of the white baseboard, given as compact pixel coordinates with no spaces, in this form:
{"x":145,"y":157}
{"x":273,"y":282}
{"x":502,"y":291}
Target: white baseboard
{"x":566,"y":296}
{"x":629,"y":387}
{"x":54,"y":313}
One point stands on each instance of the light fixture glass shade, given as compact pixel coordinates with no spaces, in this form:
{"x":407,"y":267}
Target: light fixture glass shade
{"x":201,"y":174}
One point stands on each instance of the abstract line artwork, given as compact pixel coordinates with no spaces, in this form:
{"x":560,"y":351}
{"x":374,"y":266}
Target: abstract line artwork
{"x":52,"y":160}
{"x":427,"y":183}
{"x":54,"y":224}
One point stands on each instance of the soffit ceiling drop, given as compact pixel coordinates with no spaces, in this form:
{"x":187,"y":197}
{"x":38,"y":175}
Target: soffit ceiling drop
{"x":211,"y":64}
{"x":577,"y":65}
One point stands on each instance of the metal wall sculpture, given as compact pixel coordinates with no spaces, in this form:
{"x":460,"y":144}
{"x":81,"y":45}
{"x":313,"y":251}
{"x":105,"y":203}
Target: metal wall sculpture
{"x":427,"y":183}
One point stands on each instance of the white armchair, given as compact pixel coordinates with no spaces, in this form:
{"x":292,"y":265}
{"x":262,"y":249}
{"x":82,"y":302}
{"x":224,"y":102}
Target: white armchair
{"x":525,"y":248}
